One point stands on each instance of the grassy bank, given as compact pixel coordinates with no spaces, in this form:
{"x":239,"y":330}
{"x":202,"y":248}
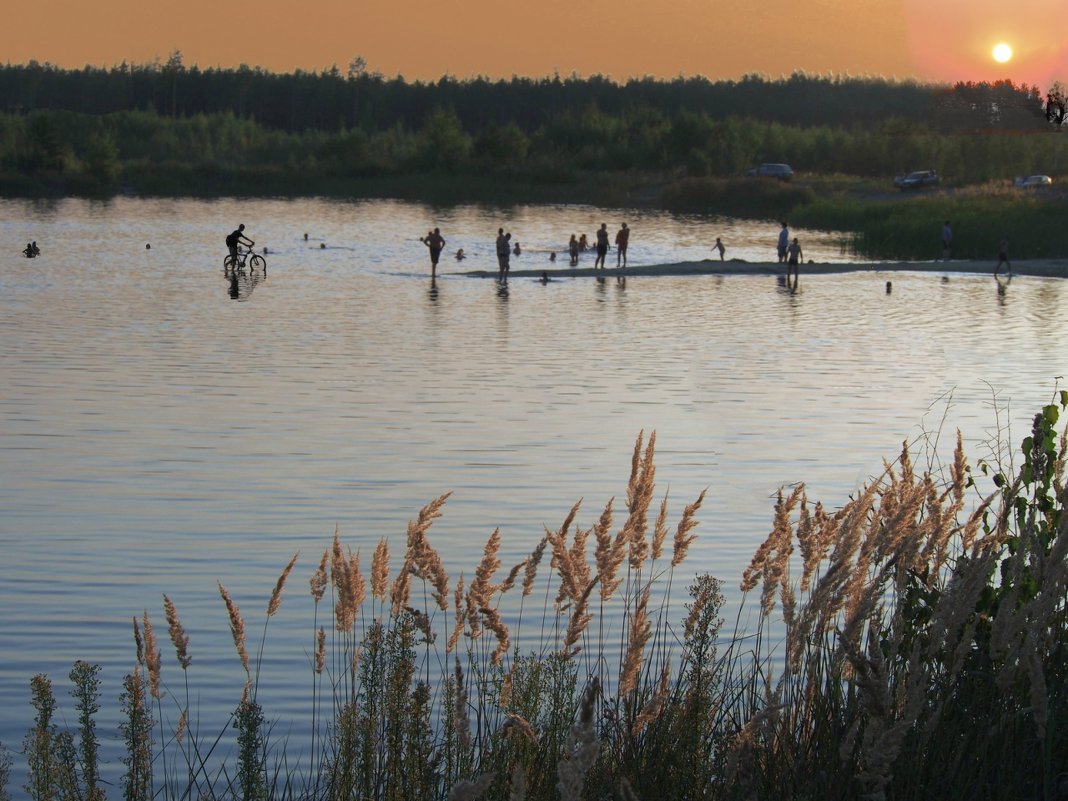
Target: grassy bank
{"x":980,"y":219}
{"x":912,"y":644}
{"x":884,"y":224}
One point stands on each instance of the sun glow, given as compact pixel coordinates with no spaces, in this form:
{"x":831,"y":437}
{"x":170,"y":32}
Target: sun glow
{"x":1002,"y":53}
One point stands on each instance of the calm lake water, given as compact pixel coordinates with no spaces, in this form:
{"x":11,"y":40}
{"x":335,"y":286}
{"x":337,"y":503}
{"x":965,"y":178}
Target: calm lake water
{"x":157,"y":436}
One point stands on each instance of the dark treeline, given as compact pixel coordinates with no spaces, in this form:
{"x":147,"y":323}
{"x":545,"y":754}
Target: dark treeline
{"x":332,"y":101}
{"x":169,"y":129}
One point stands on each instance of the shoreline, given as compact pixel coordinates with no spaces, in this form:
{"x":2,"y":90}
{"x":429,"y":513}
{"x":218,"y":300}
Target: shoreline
{"x":1042,"y":268}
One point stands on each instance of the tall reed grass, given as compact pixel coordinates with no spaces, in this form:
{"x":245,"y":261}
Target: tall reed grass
{"x":910,"y":644}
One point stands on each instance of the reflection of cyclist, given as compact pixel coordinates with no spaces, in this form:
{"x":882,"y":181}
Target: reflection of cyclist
{"x":236,"y":238}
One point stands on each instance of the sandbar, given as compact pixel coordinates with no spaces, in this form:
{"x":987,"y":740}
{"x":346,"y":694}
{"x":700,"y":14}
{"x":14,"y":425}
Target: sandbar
{"x":1046,"y":268}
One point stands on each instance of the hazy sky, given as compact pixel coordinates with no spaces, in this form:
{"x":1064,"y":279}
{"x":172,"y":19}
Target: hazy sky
{"x":425,"y":39}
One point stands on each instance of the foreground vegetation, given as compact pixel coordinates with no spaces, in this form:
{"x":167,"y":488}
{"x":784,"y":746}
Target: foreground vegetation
{"x":909,"y":646}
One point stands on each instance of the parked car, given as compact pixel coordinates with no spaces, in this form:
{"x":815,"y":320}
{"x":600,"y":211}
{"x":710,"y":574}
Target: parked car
{"x":1031,"y":181}
{"x":781,"y":171}
{"x":917,"y":179}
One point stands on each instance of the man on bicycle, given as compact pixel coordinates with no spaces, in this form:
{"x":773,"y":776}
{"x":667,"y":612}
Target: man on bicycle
{"x":236,"y":238}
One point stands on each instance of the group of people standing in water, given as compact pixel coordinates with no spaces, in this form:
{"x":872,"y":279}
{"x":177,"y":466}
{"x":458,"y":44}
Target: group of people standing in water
{"x":506,"y":248}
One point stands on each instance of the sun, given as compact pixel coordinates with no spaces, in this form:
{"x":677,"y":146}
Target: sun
{"x":1002,"y":53}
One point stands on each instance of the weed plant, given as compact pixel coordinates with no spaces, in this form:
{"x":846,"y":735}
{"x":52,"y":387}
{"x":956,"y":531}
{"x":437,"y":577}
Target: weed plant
{"x":910,"y":645}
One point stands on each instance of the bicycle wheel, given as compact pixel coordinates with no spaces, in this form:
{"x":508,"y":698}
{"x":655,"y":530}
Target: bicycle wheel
{"x":257,"y":262}
{"x":228,"y":262}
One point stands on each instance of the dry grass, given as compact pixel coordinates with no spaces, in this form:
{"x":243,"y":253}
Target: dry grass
{"x":905,"y":616}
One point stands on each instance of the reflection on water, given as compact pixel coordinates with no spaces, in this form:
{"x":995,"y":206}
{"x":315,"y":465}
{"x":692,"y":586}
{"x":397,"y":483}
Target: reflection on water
{"x":157,"y":437}
{"x":242,"y":280}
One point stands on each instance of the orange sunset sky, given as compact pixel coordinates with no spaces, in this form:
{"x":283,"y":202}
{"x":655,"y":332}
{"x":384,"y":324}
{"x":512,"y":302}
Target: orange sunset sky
{"x":945,"y":40}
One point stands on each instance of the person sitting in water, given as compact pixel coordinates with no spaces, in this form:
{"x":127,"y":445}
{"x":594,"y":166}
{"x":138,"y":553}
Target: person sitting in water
{"x":28,"y":251}
{"x":36,"y":250}
{"x":515,"y":248}
{"x":552,"y":256}
{"x":460,"y":255}
{"x":584,"y":243}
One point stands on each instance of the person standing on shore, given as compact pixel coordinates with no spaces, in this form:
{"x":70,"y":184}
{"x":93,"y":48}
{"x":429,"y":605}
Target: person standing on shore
{"x":622,"y":238}
{"x":1003,"y":257}
{"x":719,"y":246}
{"x":602,"y":245}
{"x":793,"y":257}
{"x":435,"y":243}
{"x":504,"y":251}
{"x":947,"y":242}
{"x":784,"y":242}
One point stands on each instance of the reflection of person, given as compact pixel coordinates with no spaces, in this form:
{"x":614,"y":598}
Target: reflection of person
{"x":1003,"y":257}
{"x":793,"y":255}
{"x":622,"y":238}
{"x":602,"y":245}
{"x":947,"y":241}
{"x":719,"y":246}
{"x":435,"y":242}
{"x":504,"y":250}
{"x":573,"y":250}
{"x":236,"y":238}
{"x":784,"y":242}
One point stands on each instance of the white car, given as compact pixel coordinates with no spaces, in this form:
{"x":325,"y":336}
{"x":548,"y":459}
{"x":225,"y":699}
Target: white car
{"x":1032,"y":181}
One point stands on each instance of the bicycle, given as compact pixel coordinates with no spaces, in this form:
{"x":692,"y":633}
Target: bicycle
{"x":255,"y":260}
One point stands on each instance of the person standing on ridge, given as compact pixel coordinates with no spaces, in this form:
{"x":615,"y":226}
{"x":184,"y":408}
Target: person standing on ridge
{"x":784,"y":242}
{"x":504,"y":251}
{"x":622,"y":238}
{"x":1003,"y":257}
{"x":602,"y":246}
{"x":793,"y":257}
{"x":947,"y":242}
{"x":435,"y":243}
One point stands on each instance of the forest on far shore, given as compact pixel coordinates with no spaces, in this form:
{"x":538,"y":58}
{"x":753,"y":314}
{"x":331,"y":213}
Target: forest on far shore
{"x":165,"y":128}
